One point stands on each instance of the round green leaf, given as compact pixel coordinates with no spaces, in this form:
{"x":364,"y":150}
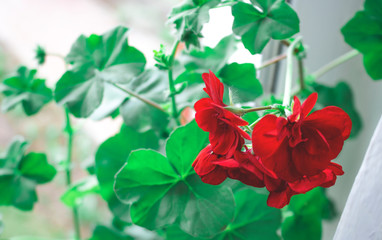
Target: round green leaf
{"x":96,"y":61}
{"x":165,"y":191}
{"x":110,"y":157}
{"x":20,"y":174}
{"x":242,"y":79}
{"x":262,"y":20}
{"x":189,"y":18}
{"x":25,"y":89}
{"x":35,"y":166}
{"x":364,"y":33}
{"x":152,"y":85}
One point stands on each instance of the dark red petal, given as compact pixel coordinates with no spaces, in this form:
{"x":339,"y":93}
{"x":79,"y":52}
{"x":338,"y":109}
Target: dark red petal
{"x":279,"y":199}
{"x":307,"y":164}
{"x":336,"y":168}
{"x":280,"y":162}
{"x":263,"y":143}
{"x":216,"y":177}
{"x":296,"y":112}
{"x":245,"y":177}
{"x":329,"y":118}
{"x":308,"y":105}
{"x":224,"y":140}
{"x":227,"y":163}
{"x":203,"y":162}
{"x":308,"y":183}
{"x":214,"y":88}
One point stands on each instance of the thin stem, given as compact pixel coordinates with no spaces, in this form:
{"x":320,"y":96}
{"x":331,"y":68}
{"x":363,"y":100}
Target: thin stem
{"x":301,"y":75}
{"x":147,"y":101}
{"x":248,"y":110}
{"x":242,"y":111}
{"x":347,"y":56}
{"x":70,"y":132}
{"x":171,"y":81}
{"x":272,"y":61}
{"x":289,"y":71}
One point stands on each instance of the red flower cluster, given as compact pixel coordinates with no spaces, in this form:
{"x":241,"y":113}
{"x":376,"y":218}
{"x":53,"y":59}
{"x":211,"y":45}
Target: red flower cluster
{"x":290,"y":155}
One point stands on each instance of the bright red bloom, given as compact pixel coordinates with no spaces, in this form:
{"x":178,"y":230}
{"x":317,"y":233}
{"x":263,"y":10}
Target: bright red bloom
{"x":223,"y":125}
{"x":302,"y":145}
{"x":207,"y":169}
{"x":280,"y":191}
{"x":214,"y":169}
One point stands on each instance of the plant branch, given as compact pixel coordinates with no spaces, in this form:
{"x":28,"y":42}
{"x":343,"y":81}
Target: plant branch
{"x":272,"y":61}
{"x":171,"y":81}
{"x":131,"y":93}
{"x":301,"y":75}
{"x":242,"y":111}
{"x":347,"y":56}
{"x":289,"y":71}
{"x":70,"y":133}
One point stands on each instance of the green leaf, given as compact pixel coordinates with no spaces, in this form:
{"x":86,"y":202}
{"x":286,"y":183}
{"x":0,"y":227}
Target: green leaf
{"x":197,"y":62}
{"x":152,"y":85}
{"x":40,"y":55}
{"x":242,"y":79}
{"x":364,"y":33}
{"x":253,"y":220}
{"x":341,"y":96}
{"x":166,"y":190}
{"x":262,"y":20}
{"x":19,"y":175}
{"x":35,"y":166}
{"x":96,"y":61}
{"x":189,"y":18}
{"x":23,"y":88}
{"x":103,"y":233}
{"x":110,"y":157}
{"x":212,"y":59}
{"x":306,"y":212}
{"x":77,"y":192}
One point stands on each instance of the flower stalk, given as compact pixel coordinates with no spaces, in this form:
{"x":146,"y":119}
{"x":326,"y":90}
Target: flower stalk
{"x":69,"y":131}
{"x":171,"y":81}
{"x":289,"y":71}
{"x":139,"y":97}
{"x":338,"y":61}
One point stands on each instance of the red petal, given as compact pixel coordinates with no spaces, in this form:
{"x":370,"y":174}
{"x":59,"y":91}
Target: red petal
{"x":263,"y":143}
{"x":214,"y":88}
{"x":308,"y":105}
{"x":279,"y":199}
{"x":203,"y":162}
{"x":216,"y":177}
{"x":296,"y":110}
{"x":280,"y":162}
{"x":308,"y":183}
{"x":329,"y":118}
{"x":227,"y":163}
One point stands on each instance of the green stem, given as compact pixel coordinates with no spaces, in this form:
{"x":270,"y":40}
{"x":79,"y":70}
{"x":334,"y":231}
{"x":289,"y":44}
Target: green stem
{"x":272,"y":61}
{"x":171,"y":81}
{"x":139,"y":97}
{"x":289,"y":71}
{"x":70,"y":132}
{"x":242,"y":111}
{"x":301,"y":75}
{"x":347,"y":56}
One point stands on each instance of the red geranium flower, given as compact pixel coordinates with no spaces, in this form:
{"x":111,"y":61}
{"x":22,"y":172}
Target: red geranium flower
{"x":280,"y":191}
{"x":214,"y":169}
{"x":301,"y":145}
{"x":223,"y":125}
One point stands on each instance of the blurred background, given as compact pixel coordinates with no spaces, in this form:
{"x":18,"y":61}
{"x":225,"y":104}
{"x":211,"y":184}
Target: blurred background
{"x":56,"y":24}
